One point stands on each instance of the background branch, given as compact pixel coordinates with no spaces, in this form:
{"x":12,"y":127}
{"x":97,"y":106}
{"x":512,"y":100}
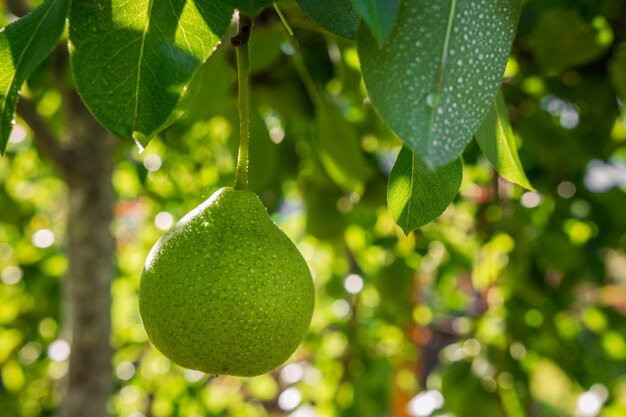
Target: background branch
{"x":47,"y":142}
{"x":18,"y":8}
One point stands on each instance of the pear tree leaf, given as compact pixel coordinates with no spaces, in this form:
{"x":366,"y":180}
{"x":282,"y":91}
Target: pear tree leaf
{"x":132,"y":61}
{"x":249,"y":7}
{"x":562,"y":39}
{"x":323,"y":219}
{"x":336,"y":16}
{"x":617,"y":71}
{"x":379,"y":15}
{"x":439,"y":71}
{"x":265,"y":49}
{"x":497,"y":142}
{"x":416,"y":195}
{"x":337,"y":145}
{"x":24,"y":45}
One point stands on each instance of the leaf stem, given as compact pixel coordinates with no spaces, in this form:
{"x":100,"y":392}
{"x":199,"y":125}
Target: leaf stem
{"x":240,"y":42}
{"x":283,"y":19}
{"x":305,"y":77}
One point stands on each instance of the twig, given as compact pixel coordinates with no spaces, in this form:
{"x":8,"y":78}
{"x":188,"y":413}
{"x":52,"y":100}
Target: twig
{"x":47,"y":142}
{"x":18,"y":8}
{"x":243,"y":32}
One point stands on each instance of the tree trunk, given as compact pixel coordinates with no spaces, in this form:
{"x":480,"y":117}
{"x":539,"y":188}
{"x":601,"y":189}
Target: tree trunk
{"x":86,"y":163}
{"x":90,"y":247}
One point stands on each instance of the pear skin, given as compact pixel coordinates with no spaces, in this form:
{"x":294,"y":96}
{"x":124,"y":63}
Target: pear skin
{"x":225,"y":291}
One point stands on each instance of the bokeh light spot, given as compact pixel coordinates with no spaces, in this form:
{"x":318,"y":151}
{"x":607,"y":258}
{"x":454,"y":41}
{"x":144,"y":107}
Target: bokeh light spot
{"x":590,"y":403}
{"x":292,"y":373}
{"x":531,"y":199}
{"x":341,"y":308}
{"x":353,"y":284}
{"x":423,"y":404}
{"x":566,"y":189}
{"x":59,"y":350}
{"x":125,"y":370}
{"x":152,"y":162}
{"x":11,"y":275}
{"x":43,"y":238}
{"x":163,"y":220}
{"x":289,"y":399}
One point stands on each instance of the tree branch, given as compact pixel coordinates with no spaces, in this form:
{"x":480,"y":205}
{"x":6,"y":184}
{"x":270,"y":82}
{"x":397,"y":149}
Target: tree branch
{"x":18,"y":8}
{"x":47,"y":142}
{"x":243,"y":32}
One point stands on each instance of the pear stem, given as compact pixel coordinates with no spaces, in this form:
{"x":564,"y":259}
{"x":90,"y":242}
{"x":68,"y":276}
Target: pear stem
{"x":240,"y":42}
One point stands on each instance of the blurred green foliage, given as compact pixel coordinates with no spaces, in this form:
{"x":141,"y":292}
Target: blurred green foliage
{"x":512,"y":303}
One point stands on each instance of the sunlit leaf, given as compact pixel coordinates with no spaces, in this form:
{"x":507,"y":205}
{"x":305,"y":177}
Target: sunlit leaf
{"x":437,"y":75}
{"x":132,"y":61}
{"x":9,"y":339}
{"x":614,"y":345}
{"x":560,"y":393}
{"x":497,"y":141}
{"x":336,"y":16}
{"x":416,"y":195}
{"x":379,"y":15}
{"x":488,"y":264}
{"x":12,"y":376}
{"x":24,"y":44}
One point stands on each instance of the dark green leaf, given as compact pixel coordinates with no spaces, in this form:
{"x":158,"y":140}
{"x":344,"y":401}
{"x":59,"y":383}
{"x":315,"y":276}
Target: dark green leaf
{"x":437,"y":75}
{"x":265,"y":47}
{"x":379,"y":15}
{"x":337,"y":146}
{"x":617,"y":70}
{"x":323,"y":219}
{"x":497,"y":141}
{"x":416,"y":195}
{"x":394,"y":283}
{"x":459,"y":374}
{"x":132,"y":61}
{"x":24,"y":44}
{"x":214,"y":80}
{"x":562,"y":39}
{"x":265,"y":165}
{"x":336,"y":16}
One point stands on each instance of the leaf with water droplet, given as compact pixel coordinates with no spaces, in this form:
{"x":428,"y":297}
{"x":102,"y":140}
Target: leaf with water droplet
{"x":447,"y":55}
{"x":132,"y":71}
{"x":416,"y":195}
{"x":336,"y":16}
{"x":497,"y":141}
{"x":379,"y":15}
{"x":24,"y":44}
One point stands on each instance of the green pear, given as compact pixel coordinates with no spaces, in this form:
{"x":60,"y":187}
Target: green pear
{"x":225,"y":291}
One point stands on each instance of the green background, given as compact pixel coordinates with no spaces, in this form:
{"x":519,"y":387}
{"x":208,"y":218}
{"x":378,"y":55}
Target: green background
{"x":512,"y":303}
